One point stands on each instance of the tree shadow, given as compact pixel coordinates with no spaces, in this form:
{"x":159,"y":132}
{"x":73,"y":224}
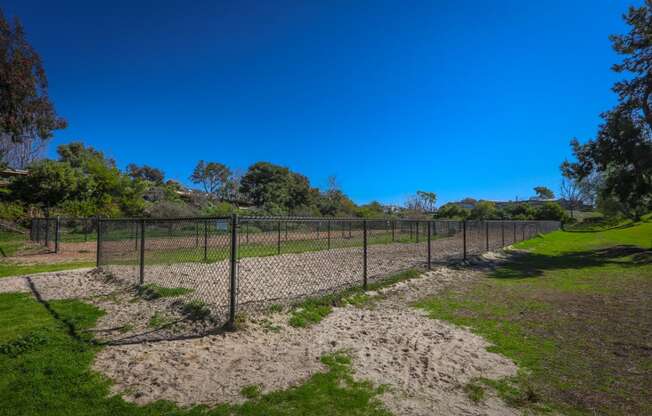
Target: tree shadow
{"x":528,"y":265}
{"x":599,"y":230}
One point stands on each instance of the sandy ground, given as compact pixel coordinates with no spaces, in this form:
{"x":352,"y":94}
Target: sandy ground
{"x":425,"y":362}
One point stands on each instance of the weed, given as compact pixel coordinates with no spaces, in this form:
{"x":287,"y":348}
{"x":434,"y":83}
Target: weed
{"x":475,"y":392}
{"x":152,"y":291}
{"x":196,"y":310}
{"x":251,"y":392}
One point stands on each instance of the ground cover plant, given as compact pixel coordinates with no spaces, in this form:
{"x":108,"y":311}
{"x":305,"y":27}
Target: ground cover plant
{"x":575,"y":313}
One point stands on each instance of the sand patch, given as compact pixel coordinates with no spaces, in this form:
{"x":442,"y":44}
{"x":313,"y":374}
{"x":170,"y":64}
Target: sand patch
{"x":425,"y":362}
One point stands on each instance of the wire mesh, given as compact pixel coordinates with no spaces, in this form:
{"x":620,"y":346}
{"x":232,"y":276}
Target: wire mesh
{"x":213,"y":267}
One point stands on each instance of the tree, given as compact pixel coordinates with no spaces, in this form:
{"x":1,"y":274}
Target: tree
{"x":551,"y":211}
{"x":452,"y":211}
{"x":571,"y":194}
{"x":27,"y":116}
{"x":48,"y":184}
{"x":145,"y":173}
{"x":484,"y":210}
{"x":427,"y":200}
{"x":635,"y":92}
{"x":212,"y":176}
{"x":275,"y":188}
{"x":621,"y":153}
{"x":543,"y":192}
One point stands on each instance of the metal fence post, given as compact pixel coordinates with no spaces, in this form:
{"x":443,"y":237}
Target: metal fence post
{"x":98,"y":243}
{"x":523,"y":232}
{"x":57,"y":230}
{"x":514,"y":239}
{"x":278,"y":238}
{"x":429,"y":236}
{"x":233,"y":286}
{"x":393,"y":230}
{"x":196,"y":234}
{"x":329,"y":234}
{"x":142,"y":252}
{"x":47,"y":231}
{"x":364,"y":254}
{"x":206,"y":241}
{"x":417,"y":230}
{"x":464,"y":238}
{"x":502,"y":231}
{"x":486,"y":234}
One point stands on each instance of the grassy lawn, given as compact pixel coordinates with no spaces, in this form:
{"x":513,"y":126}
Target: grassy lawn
{"x":172,"y":255}
{"x":10,"y":243}
{"x":45,"y":361}
{"x":8,"y":269}
{"x":575,"y":313}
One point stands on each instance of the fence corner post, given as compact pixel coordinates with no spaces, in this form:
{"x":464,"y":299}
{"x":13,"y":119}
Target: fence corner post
{"x":429,"y":251}
{"x":142,"y":252}
{"x":233,"y":284}
{"x":464,"y":238}
{"x":98,"y":242}
{"x":486,"y":235}
{"x":57,"y":231}
{"x":364,"y":254}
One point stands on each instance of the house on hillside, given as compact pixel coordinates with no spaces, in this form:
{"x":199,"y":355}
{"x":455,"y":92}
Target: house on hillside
{"x":7,"y":174}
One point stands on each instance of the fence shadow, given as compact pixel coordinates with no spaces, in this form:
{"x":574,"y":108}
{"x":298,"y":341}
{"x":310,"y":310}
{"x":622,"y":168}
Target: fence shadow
{"x":530,"y":265}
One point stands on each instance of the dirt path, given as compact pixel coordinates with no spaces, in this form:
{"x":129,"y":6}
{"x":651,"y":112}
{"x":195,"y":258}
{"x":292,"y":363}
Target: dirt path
{"x":425,"y":362}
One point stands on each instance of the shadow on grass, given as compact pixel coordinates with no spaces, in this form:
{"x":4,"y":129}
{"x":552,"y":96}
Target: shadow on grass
{"x":597,"y":228}
{"x":526,"y":265}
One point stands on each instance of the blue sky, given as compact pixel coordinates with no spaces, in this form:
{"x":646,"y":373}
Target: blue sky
{"x":463,"y":98}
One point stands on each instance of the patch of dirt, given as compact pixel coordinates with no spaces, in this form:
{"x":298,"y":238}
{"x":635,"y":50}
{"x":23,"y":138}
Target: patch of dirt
{"x":425,"y":362}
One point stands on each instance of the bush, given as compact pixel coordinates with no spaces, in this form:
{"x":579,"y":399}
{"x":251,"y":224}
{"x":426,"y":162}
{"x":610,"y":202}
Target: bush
{"x":12,"y":211}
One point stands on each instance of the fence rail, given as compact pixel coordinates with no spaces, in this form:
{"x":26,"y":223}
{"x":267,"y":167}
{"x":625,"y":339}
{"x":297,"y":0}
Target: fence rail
{"x":234,"y":264}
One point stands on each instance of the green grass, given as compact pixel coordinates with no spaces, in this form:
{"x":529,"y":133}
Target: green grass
{"x":575,"y":313}
{"x":152,"y":291}
{"x":174,"y":255}
{"x":10,"y":243}
{"x":313,"y":310}
{"x":10,"y":269}
{"x":45,"y":362}
{"x":159,"y":320}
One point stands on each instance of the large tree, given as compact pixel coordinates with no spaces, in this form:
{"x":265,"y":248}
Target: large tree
{"x":27,"y":116}
{"x":213,"y":177}
{"x":621,"y":153}
{"x":275,"y":188}
{"x":146,"y":173}
{"x":543,"y":192}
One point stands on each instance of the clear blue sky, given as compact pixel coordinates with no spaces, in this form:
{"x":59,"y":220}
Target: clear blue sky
{"x":463,"y":98}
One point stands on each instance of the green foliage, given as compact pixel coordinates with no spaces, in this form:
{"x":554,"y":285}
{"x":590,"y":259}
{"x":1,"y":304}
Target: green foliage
{"x":484,"y":210}
{"x":213,"y":177}
{"x":452,"y":212}
{"x":550,"y":211}
{"x":11,"y":211}
{"x":48,"y":184}
{"x":171,"y":209}
{"x":27,"y":116}
{"x":621,"y":153}
{"x":275,"y":188}
{"x":219,"y":209}
{"x":544,"y":192}
{"x":145,"y":173}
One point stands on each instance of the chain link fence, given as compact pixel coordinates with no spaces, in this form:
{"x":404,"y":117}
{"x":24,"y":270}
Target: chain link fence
{"x":202,"y":271}
{"x":217,"y":267}
{"x":66,"y":235}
